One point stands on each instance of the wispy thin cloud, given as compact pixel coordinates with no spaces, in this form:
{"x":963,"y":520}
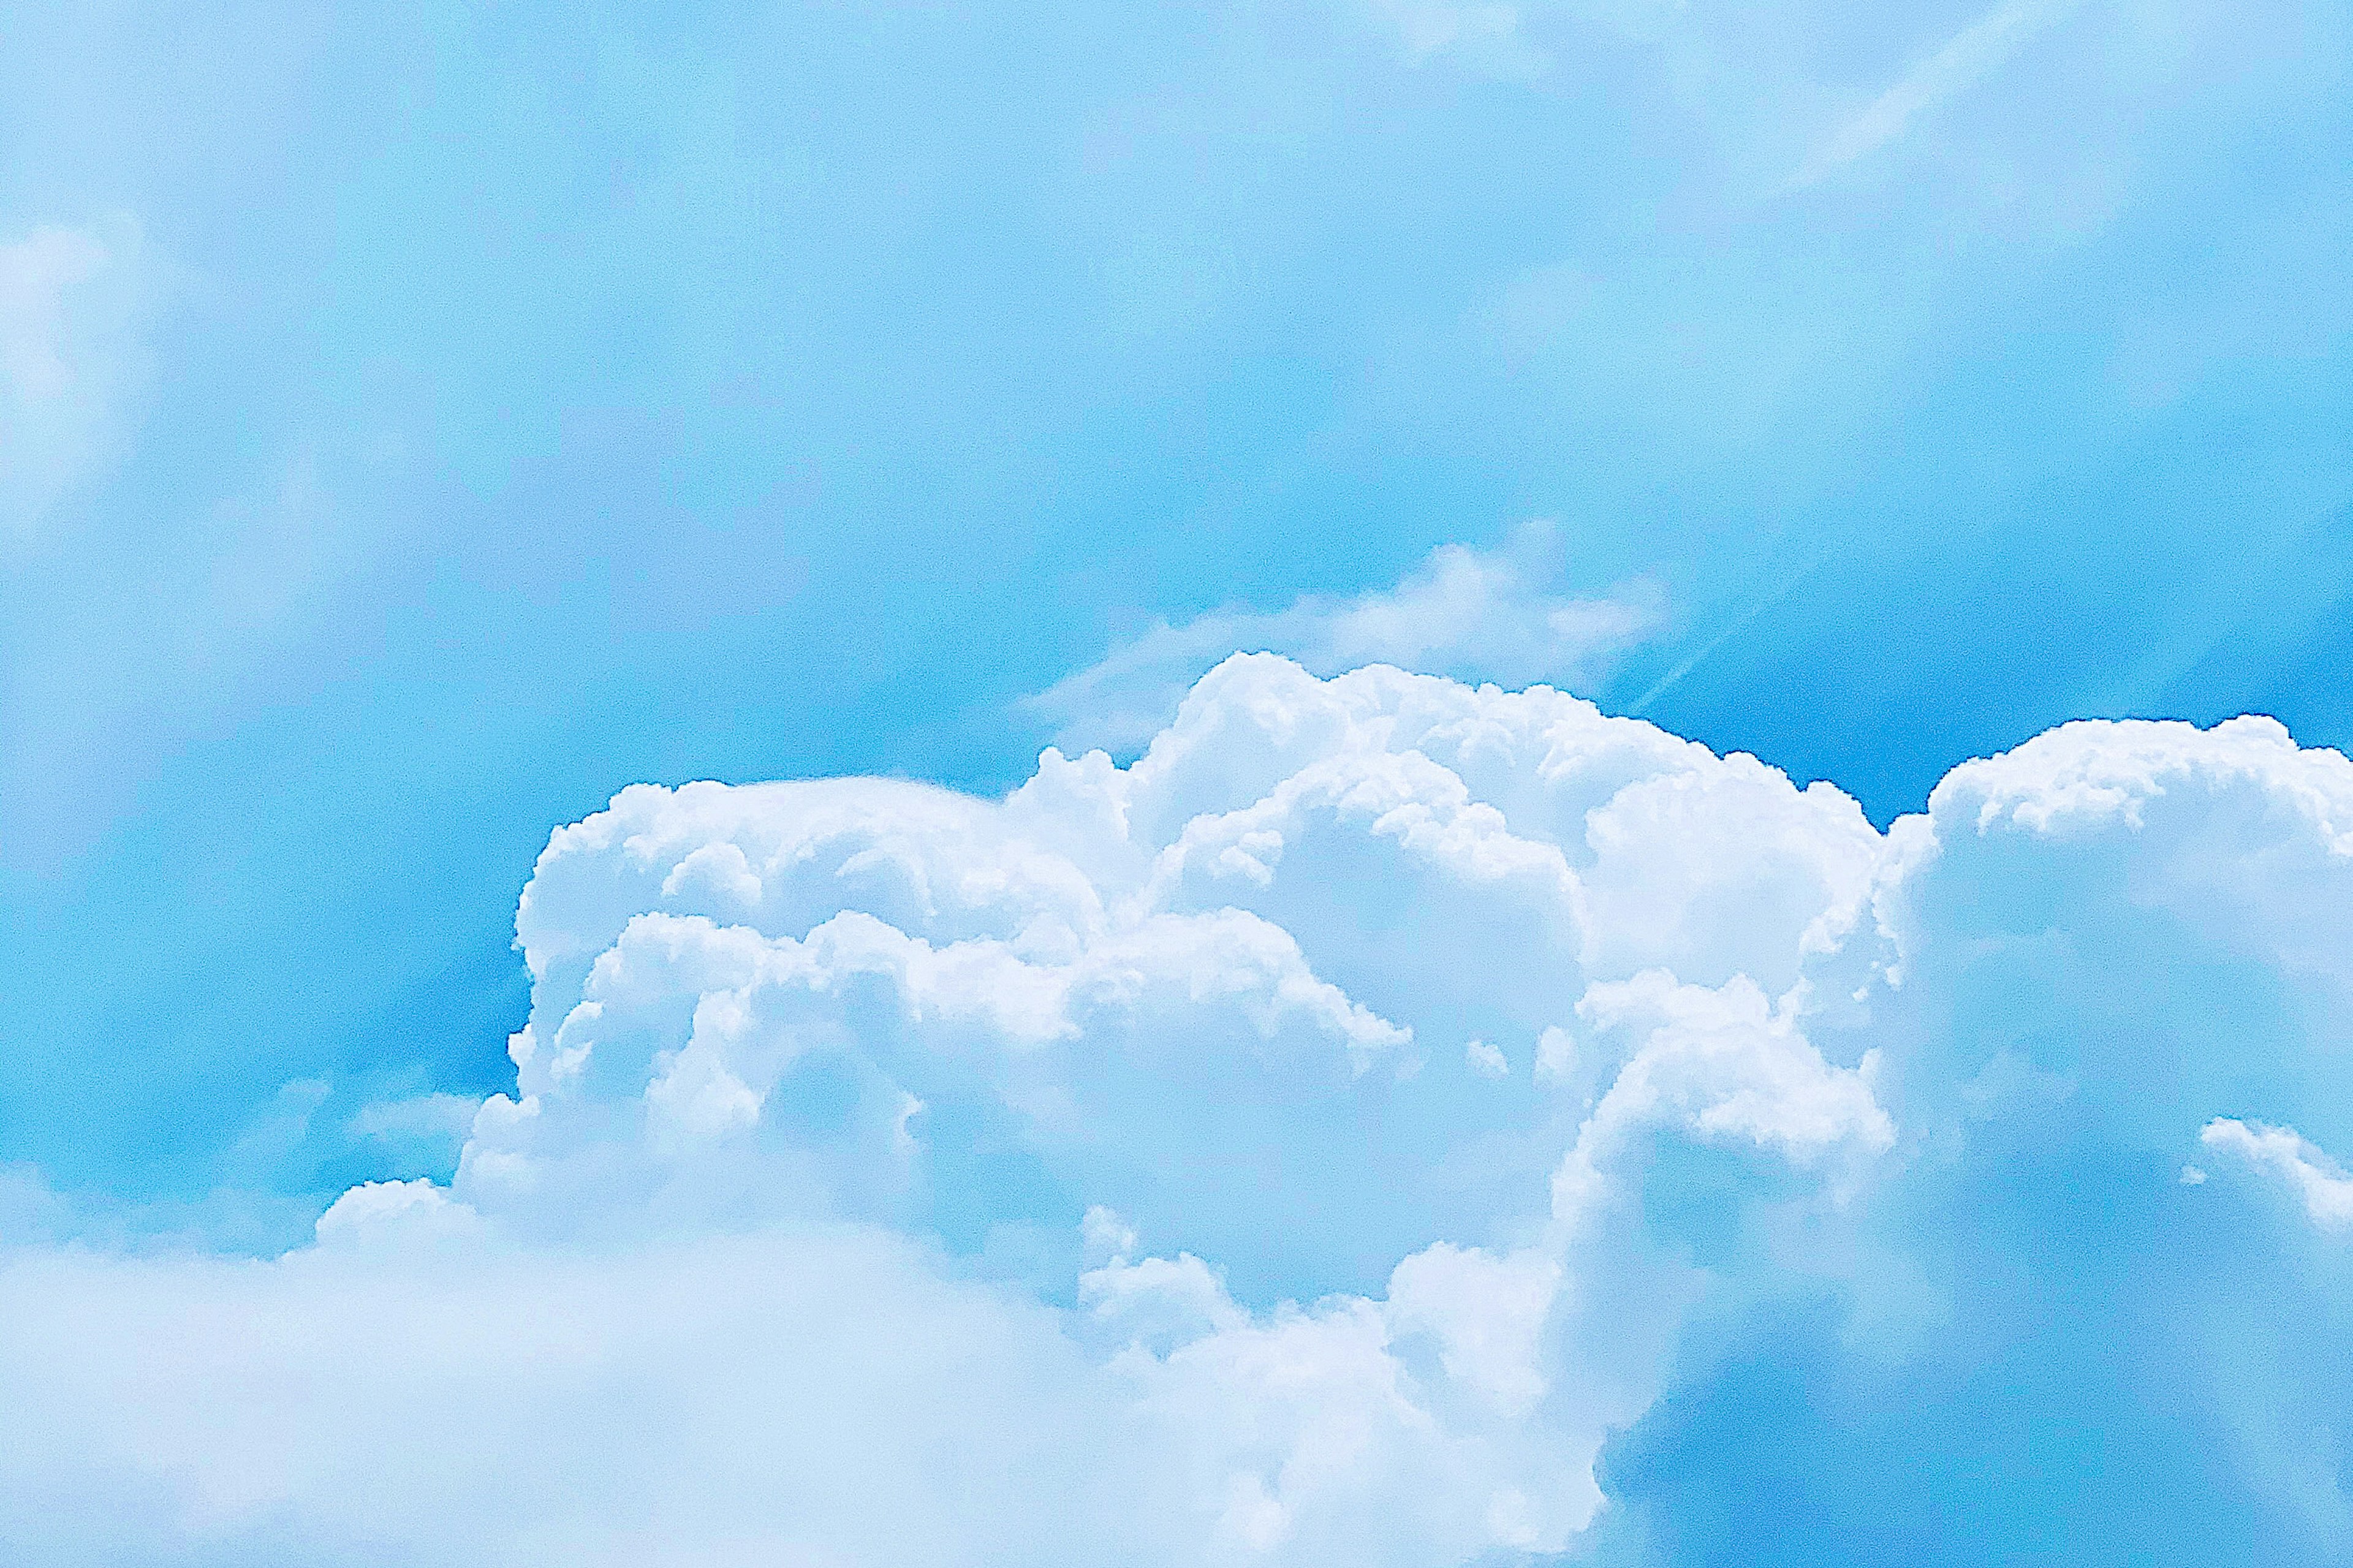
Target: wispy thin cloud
{"x":1482,"y":616}
{"x":1965,"y":59}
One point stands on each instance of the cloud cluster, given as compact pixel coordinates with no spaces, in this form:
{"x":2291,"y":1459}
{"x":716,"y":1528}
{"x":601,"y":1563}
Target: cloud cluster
{"x":1388,"y":1122}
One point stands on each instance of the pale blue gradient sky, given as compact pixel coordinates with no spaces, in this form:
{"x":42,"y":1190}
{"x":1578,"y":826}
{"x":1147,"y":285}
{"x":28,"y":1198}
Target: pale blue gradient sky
{"x":473,"y":412}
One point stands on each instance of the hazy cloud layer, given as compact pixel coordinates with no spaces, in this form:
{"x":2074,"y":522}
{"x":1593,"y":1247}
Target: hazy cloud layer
{"x":70,"y":355}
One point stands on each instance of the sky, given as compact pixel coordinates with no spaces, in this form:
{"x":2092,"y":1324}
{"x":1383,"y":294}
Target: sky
{"x":417,"y":430}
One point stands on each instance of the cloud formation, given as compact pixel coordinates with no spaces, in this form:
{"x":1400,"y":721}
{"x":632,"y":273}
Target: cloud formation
{"x":2317,"y":1180}
{"x":1473,"y":614}
{"x":1389,"y":1122}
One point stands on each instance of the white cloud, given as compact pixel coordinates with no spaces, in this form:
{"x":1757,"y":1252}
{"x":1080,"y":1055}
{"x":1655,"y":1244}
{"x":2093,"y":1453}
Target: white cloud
{"x":70,"y":303}
{"x":745,"y":1267}
{"x":399,"y":1211}
{"x":2081,"y":776}
{"x":1473,"y":614}
{"x":1555,"y":1054}
{"x":1721,"y":1063}
{"x":2318,"y":1182}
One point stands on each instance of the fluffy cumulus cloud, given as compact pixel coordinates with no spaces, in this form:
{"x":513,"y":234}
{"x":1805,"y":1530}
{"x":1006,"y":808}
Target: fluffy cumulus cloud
{"x":1388,"y":1122}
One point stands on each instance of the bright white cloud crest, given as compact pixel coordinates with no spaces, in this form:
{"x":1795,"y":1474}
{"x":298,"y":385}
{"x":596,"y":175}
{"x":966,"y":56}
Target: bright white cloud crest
{"x":1265,"y":1153}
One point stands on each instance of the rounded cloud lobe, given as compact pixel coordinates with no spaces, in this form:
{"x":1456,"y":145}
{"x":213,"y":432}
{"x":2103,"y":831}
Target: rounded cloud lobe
{"x":1388,"y":1122}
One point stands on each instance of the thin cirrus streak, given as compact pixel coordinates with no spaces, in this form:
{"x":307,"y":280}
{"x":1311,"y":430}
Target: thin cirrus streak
{"x":1964,"y":60}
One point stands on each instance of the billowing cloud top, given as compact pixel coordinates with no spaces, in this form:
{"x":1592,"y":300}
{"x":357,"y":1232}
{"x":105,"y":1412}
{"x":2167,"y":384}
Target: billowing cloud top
{"x":1389,"y":1122}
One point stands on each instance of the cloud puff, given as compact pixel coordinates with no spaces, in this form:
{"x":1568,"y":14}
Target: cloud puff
{"x":70,"y":301}
{"x":1473,"y":614}
{"x":1102,"y":1174}
{"x":2322,"y":1186}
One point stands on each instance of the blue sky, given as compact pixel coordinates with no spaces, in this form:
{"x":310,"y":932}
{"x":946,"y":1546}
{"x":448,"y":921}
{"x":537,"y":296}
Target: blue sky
{"x":489,"y":410}
{"x":416,"y":429}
